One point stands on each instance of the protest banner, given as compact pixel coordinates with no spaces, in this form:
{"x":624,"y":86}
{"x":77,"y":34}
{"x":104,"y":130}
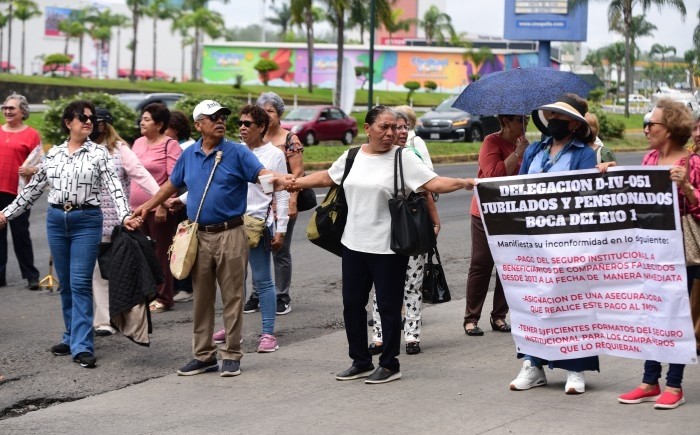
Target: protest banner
{"x":591,"y":263}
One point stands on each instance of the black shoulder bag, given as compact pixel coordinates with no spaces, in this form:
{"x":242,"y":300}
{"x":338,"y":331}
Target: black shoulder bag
{"x":434,"y":289}
{"x":328,"y":221}
{"x":411,"y":229}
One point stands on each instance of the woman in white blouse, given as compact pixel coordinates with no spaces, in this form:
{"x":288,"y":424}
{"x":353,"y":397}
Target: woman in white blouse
{"x":74,"y":173}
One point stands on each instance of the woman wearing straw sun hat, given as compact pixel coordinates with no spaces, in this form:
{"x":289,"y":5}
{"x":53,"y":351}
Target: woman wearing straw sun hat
{"x":564,"y":149}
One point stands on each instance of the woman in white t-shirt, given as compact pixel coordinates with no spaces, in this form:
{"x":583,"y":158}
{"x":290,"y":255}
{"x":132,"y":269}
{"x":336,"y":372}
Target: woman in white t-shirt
{"x":367,"y":258}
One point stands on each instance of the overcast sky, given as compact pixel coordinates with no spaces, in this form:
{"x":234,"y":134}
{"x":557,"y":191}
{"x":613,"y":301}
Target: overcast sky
{"x":485,"y":17}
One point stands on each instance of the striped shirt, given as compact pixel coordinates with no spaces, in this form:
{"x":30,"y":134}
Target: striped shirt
{"x":75,"y":178}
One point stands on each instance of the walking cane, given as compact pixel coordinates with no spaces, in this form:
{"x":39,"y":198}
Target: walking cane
{"x":49,"y":282}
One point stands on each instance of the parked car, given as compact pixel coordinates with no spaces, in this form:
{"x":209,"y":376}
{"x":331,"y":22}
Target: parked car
{"x":319,"y":123}
{"x":138,"y":101}
{"x":638,"y":99}
{"x":447,"y":123}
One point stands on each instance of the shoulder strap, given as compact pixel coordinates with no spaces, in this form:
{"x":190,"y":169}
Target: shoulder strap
{"x":206,"y":188}
{"x":352,"y":153}
{"x":398,"y":173}
{"x":288,"y":141}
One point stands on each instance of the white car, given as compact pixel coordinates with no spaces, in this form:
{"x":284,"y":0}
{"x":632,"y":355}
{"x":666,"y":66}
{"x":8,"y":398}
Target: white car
{"x":638,"y":99}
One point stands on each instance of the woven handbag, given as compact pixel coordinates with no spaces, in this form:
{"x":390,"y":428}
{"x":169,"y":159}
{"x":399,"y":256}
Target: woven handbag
{"x":183,"y":252}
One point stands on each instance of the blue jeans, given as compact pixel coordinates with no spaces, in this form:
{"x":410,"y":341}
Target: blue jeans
{"x":73,"y":238}
{"x":260,"y":266}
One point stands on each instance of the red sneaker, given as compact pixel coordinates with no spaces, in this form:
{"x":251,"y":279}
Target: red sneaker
{"x":670,"y":400}
{"x":638,"y":395}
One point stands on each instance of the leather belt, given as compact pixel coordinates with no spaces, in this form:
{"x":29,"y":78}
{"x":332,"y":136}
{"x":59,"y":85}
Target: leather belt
{"x":217,"y":228}
{"x":70,"y":206}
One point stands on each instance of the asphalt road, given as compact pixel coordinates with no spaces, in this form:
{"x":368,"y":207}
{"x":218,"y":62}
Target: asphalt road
{"x":31,"y":322}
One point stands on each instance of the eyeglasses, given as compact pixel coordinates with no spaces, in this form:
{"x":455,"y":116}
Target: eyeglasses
{"x":650,"y":123}
{"x":8,"y":108}
{"x":402,"y":128}
{"x":85,"y":118}
{"x":246,"y":123}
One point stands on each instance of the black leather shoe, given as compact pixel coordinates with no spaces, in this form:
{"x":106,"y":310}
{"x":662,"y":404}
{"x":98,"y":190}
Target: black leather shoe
{"x":355,"y":372}
{"x":61,"y":349}
{"x":86,"y":360}
{"x":503,"y":327}
{"x":33,"y":284}
{"x":382,"y":376}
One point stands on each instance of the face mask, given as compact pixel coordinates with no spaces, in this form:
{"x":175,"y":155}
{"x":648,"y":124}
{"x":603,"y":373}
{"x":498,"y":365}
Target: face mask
{"x":95,"y":134}
{"x":558,"y":128}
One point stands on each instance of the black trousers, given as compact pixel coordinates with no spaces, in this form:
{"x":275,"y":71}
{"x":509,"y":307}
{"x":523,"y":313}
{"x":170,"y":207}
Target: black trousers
{"x":19,"y":227}
{"x":387,"y":273}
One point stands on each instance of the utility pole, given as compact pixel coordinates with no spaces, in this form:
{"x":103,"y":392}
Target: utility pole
{"x":372,"y":25}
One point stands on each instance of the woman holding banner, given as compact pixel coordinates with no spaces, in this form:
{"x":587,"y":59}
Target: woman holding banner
{"x":499,"y":156}
{"x":668,"y":128}
{"x":564,"y":149}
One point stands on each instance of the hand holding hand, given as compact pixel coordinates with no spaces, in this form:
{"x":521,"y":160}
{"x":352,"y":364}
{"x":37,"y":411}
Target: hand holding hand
{"x":132,"y":223}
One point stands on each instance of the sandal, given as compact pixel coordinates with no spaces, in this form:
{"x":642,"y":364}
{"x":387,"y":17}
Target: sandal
{"x":412,"y":348}
{"x":157,"y":307}
{"x":475,"y":331}
{"x":503,"y":327}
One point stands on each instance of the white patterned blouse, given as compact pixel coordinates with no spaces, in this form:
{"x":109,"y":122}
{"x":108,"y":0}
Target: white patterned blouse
{"x":73,"y":178}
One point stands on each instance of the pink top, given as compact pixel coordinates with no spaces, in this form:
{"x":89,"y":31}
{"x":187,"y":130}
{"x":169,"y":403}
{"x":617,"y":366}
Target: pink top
{"x":652,"y":159}
{"x":159,"y":160}
{"x":492,"y":154}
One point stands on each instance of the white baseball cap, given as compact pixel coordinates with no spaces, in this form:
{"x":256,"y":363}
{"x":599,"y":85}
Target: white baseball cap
{"x":209,"y":107}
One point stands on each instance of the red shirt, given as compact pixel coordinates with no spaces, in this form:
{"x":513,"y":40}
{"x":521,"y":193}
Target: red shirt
{"x":15,"y":146}
{"x":493,"y":152}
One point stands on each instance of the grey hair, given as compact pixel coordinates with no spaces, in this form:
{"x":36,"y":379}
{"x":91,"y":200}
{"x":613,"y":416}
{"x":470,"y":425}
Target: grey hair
{"x":271,"y":98}
{"x":401,"y":115}
{"x":23,"y":104}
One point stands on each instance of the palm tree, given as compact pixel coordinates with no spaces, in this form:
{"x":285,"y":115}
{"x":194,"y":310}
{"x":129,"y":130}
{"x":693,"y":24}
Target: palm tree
{"x":696,"y":35}
{"x":10,"y":14}
{"x":75,"y":27}
{"x":303,"y":15}
{"x":394,"y":23}
{"x":691,"y":58}
{"x":204,"y":22}
{"x":435,"y":24}
{"x":615,"y":55}
{"x":119,"y":21}
{"x":158,"y":10}
{"x":478,"y":57}
{"x":185,"y":40}
{"x":662,"y":50}
{"x":101,"y":23}
{"x":337,"y":10}
{"x":359,"y":17}
{"x":283,"y":18}
{"x":137,"y":7}
{"x":25,"y":10}
{"x":621,"y":11}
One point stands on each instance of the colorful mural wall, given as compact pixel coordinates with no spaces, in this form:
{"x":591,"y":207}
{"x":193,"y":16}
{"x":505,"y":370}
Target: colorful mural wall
{"x":450,"y":71}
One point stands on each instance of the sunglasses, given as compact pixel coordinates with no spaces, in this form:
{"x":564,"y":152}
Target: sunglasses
{"x":648,"y":124}
{"x":84,"y":118}
{"x":216,"y":117}
{"x":246,"y":123}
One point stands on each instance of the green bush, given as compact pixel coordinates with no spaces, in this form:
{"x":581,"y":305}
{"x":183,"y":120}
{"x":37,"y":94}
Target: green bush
{"x":430,"y":85}
{"x":264,"y":67}
{"x":124,"y":117}
{"x":609,"y":127}
{"x":596,"y":95}
{"x":187,"y":104}
{"x":412,"y":87}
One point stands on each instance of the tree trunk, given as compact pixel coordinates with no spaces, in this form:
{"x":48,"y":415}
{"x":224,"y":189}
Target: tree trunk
{"x":2,"y":37}
{"x":119,"y":47}
{"x":619,"y":79}
{"x":135,"y":27}
{"x":339,"y":60}
{"x":627,"y":16}
{"x":23,"y":50}
{"x":182,"y":64}
{"x":80,"y":57}
{"x":193,"y":57}
{"x":155,"y":44}
{"x":310,"y":49}
{"x":9,"y":40}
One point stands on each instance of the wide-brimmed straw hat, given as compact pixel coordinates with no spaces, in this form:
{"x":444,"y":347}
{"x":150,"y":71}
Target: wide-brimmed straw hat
{"x":564,"y":105}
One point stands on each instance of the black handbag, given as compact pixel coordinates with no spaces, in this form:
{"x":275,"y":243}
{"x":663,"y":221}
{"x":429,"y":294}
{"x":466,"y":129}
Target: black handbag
{"x":434,"y":289}
{"x":412,"y":230}
{"x":306,"y":200}
{"x":327,"y":223}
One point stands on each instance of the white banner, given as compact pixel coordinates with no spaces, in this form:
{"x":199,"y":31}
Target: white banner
{"x":591,"y":263}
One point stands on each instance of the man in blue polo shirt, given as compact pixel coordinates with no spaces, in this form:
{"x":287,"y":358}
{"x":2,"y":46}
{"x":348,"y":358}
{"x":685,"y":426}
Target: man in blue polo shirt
{"x":222,"y":253}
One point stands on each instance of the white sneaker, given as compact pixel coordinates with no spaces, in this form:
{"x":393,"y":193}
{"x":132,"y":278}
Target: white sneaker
{"x":575,"y":384}
{"x":183,"y":296}
{"x":529,"y":377}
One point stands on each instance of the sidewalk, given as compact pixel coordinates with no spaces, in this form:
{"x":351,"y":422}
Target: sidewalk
{"x":458,"y":384}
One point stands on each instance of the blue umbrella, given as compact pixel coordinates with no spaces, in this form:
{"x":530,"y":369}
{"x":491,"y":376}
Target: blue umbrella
{"x":519,"y":91}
